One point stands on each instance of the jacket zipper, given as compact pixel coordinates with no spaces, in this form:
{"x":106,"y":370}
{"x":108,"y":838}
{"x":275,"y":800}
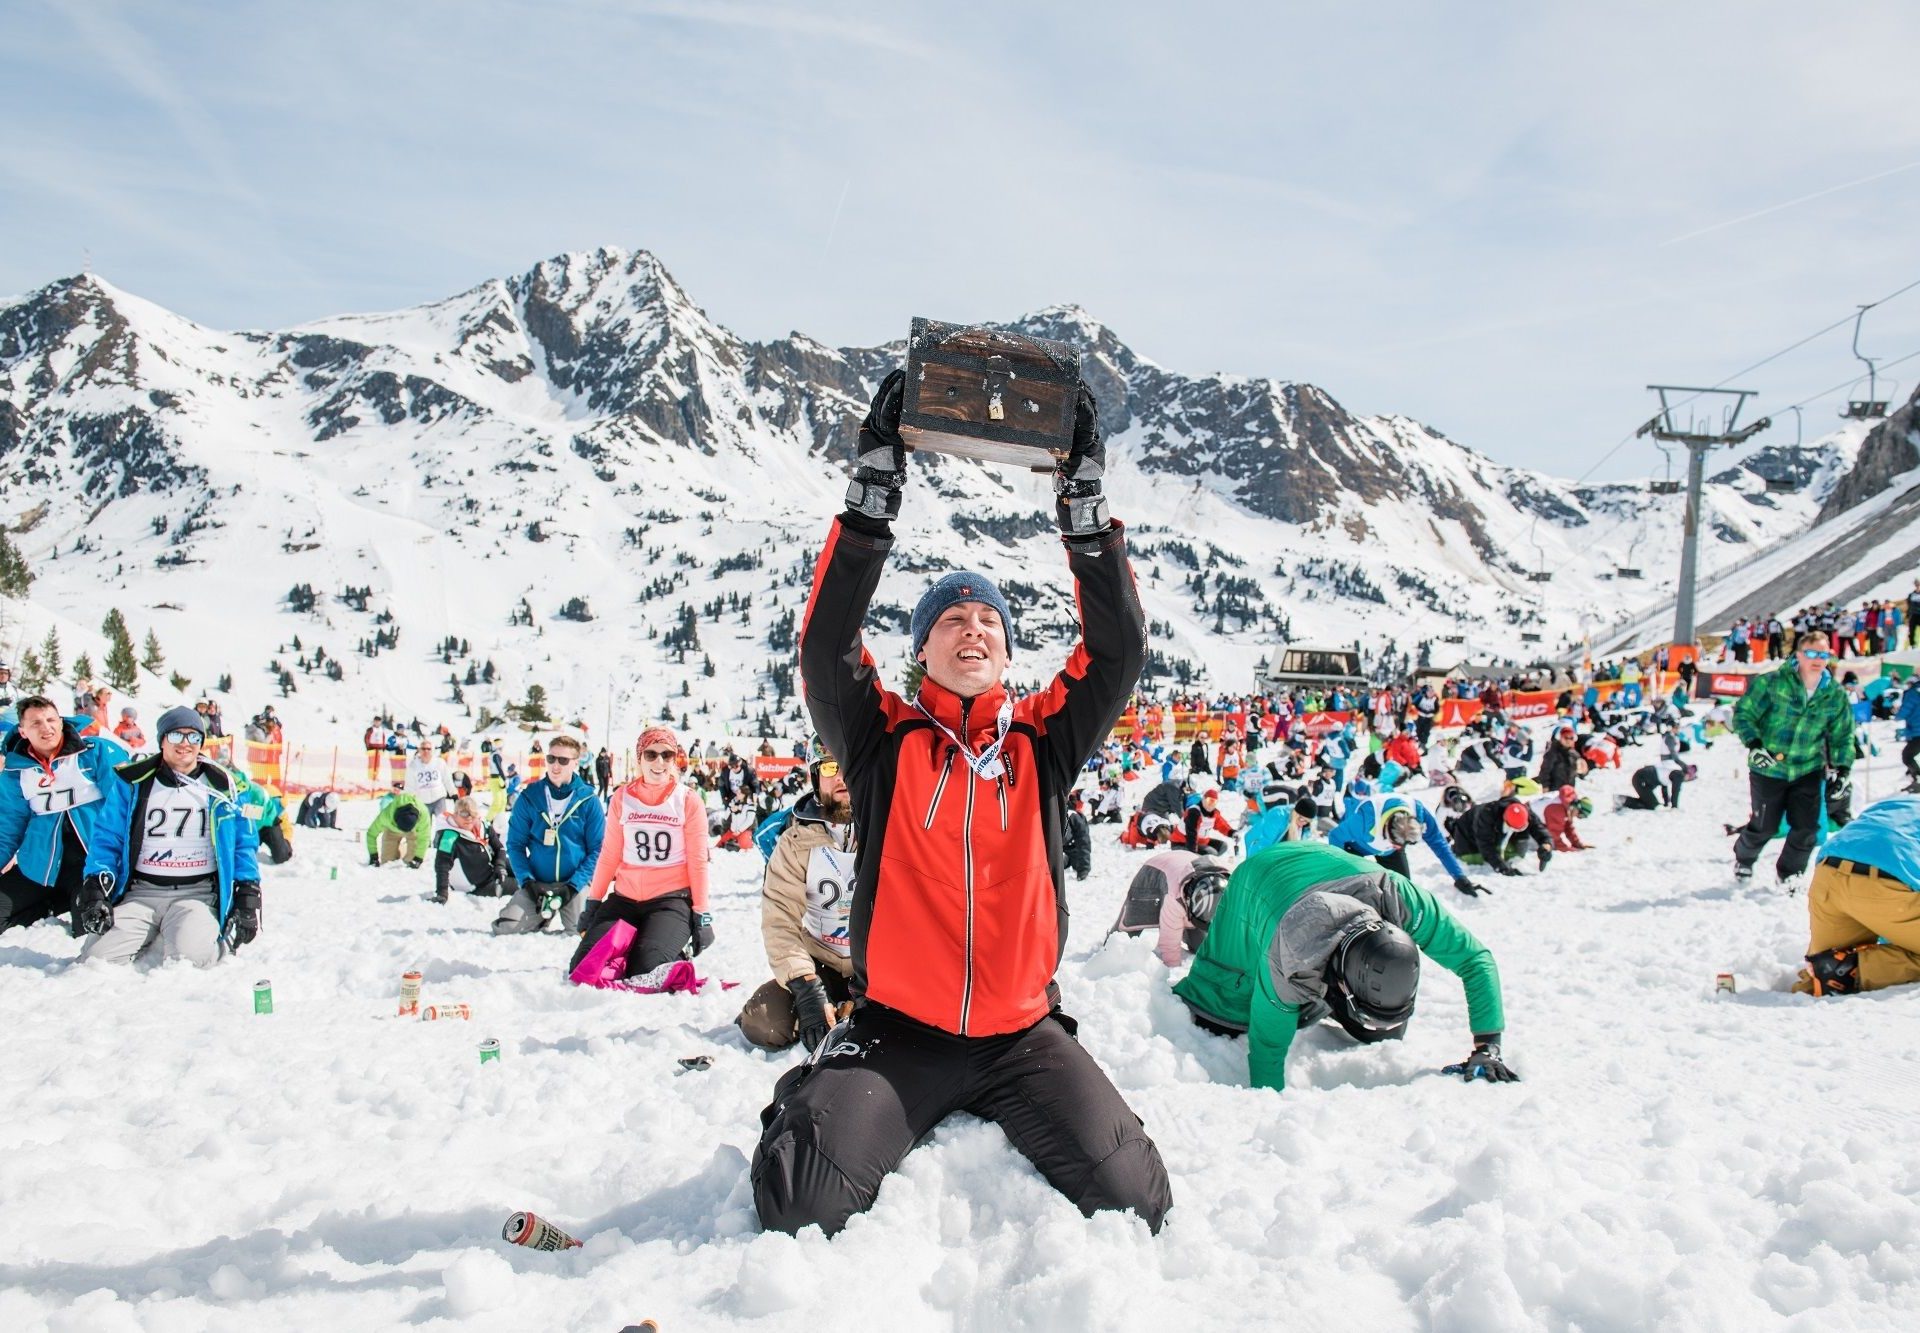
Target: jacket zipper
{"x":933,"y":807}
{"x":966,"y":844}
{"x":1001,"y":786}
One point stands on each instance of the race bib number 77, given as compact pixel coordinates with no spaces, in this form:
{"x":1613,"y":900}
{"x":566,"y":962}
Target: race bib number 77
{"x":66,"y":788}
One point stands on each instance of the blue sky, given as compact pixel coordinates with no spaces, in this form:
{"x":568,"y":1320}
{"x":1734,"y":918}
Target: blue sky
{"x":1503,"y":219}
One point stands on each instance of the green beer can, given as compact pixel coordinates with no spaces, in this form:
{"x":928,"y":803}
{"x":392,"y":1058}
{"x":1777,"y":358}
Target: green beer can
{"x":263,"y":997}
{"x":489,"y":1049}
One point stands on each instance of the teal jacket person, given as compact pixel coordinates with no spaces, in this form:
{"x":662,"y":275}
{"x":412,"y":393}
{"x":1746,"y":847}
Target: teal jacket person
{"x":1264,"y":967}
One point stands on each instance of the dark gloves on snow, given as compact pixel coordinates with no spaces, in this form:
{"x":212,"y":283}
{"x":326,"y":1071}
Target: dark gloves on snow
{"x":1080,"y":506}
{"x":880,"y":469}
{"x":93,"y":904}
{"x":1469,"y":888}
{"x":415,"y":862}
{"x":1484,"y":1063}
{"x":702,"y":932}
{"x":1546,"y":855}
{"x":243,"y":921}
{"x":812,"y":1011}
{"x":1839,"y":783}
{"x":1509,"y":868}
{"x":588,"y":913}
{"x":373,"y":859}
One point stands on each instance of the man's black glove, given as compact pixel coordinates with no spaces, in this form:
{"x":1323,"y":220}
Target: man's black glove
{"x":880,"y":469}
{"x":415,"y":862}
{"x":812,"y":1010}
{"x":702,"y":932}
{"x":1509,"y":868}
{"x":1839,"y":783}
{"x":93,"y":905}
{"x":1485,"y":1063}
{"x":373,"y":859}
{"x":243,"y":920}
{"x":1469,"y":888}
{"x":1080,"y":506}
{"x":588,"y":913}
{"x":1546,"y":855}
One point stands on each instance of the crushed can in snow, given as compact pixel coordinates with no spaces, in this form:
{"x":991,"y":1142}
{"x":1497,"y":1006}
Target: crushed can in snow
{"x":409,"y":994}
{"x":1723,"y":983}
{"x":263,"y":997}
{"x":434,"y":1012}
{"x":489,"y":1050}
{"x":536,"y":1233}
{"x":976,"y":392}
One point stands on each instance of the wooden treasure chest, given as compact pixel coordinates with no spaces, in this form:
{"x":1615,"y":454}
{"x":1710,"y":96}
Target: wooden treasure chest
{"x":984,"y":393}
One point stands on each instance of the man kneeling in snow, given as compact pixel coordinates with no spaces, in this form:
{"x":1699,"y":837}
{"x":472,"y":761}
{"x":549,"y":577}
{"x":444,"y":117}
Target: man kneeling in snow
{"x":1863,"y":906}
{"x":1305,"y":932}
{"x":172,"y":869}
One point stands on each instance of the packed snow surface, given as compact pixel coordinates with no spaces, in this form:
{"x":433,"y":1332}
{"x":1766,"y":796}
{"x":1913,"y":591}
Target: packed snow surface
{"x":1673,"y":1159}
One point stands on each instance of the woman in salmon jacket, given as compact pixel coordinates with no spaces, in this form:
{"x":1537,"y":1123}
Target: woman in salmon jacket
{"x":651,"y":876}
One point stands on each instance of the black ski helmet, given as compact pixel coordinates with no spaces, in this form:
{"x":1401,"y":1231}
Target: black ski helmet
{"x":1457,"y":800}
{"x":1200,"y":891}
{"x":1377,"y":964}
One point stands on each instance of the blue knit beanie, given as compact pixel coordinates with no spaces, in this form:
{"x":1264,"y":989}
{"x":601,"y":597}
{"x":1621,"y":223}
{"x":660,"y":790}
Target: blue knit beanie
{"x":963,"y":585}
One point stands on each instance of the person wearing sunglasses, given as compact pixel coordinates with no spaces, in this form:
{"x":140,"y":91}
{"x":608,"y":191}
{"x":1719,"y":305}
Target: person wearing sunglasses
{"x":1797,"y":724}
{"x":50,"y":793}
{"x":553,"y":841}
{"x":960,"y":915}
{"x":172,"y":871}
{"x":806,"y":915}
{"x":1305,"y":932}
{"x":651,"y":874}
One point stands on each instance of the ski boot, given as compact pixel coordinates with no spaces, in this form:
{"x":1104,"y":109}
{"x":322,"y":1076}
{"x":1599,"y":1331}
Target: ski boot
{"x":1834,"y":971}
{"x":1742,"y":872}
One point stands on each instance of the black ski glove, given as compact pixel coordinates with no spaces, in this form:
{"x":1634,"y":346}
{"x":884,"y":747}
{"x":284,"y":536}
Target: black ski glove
{"x":1080,"y":506}
{"x":1509,"y":868}
{"x":373,"y":859}
{"x":1546,"y":855}
{"x":1469,"y":888}
{"x":1484,"y":1063}
{"x":93,"y":904}
{"x":1839,"y":783}
{"x":588,"y":913}
{"x":880,"y":469}
{"x":812,"y":1011}
{"x":415,"y":862}
{"x":243,"y":920}
{"x":702,"y":932}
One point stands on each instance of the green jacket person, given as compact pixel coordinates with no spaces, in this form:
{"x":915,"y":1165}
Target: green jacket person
{"x":1305,"y":932}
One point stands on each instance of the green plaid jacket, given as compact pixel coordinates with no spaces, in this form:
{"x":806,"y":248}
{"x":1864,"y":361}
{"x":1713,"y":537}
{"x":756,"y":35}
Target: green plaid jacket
{"x":1807,"y":731}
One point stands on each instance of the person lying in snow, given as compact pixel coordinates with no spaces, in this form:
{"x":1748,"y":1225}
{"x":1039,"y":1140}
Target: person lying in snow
{"x":1305,"y":932}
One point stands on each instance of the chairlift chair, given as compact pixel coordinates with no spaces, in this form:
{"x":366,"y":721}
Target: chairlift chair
{"x":1540,"y":576}
{"x":1626,"y":572}
{"x":1528,"y":636}
{"x":1663,"y":486}
{"x":1781,"y":485}
{"x":1864,"y":409}
{"x":1872,"y":407}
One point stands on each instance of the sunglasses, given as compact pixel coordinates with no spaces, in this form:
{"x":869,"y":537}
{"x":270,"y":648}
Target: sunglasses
{"x":183,"y":736}
{"x":658,"y":756}
{"x":559,"y":761}
{"x":1815,"y":654}
{"x":828,"y":769}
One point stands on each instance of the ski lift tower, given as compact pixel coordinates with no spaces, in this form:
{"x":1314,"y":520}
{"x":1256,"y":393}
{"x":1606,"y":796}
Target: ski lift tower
{"x":1698,"y":435}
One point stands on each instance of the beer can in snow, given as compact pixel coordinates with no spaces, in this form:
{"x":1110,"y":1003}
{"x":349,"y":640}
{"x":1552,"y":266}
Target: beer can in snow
{"x":263,"y":997}
{"x":489,"y":1049}
{"x":409,"y":993}
{"x":1723,"y":982}
{"x":333,"y":872}
{"x":438,"y":1011}
{"x":536,"y":1233}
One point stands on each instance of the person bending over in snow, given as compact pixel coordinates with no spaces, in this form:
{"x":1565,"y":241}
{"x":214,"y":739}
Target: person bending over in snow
{"x":172,"y":871}
{"x":1494,"y":827}
{"x":469,"y":844}
{"x":651,"y":874}
{"x":1863,"y":907}
{"x":1383,"y":827}
{"x":401,"y":831}
{"x":1306,"y":932}
{"x":553,"y":839}
{"x":1655,"y":785}
{"x":960,"y":917}
{"x":1559,"y":813}
{"x":50,"y":795}
{"x":806,"y":914}
{"x":1174,"y":892}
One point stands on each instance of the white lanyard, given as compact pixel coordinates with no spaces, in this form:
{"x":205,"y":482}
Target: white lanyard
{"x":986,"y":765}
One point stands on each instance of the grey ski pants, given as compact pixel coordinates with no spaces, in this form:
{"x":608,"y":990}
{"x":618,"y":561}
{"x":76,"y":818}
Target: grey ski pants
{"x":158,"y":925}
{"x":522,"y":912}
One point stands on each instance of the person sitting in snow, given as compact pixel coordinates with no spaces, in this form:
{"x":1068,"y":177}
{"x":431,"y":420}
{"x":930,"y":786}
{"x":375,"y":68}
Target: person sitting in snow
{"x":51,"y":788}
{"x":553,"y":840}
{"x":651,"y":875}
{"x":806,"y":914}
{"x":1863,"y":906}
{"x":1305,"y":932}
{"x":171,"y":872}
{"x":1383,"y":827}
{"x":467,"y":843}
{"x":1174,"y":893}
{"x":1205,"y":830}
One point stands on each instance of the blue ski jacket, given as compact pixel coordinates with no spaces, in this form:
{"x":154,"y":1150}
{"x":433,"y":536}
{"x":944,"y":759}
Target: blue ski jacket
{"x":554,"y":850}
{"x":29,"y":825}
{"x":1359,"y":830}
{"x":122,"y":823}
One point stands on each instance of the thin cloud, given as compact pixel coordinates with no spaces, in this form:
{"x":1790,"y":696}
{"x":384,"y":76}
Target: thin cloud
{"x":1791,"y":203}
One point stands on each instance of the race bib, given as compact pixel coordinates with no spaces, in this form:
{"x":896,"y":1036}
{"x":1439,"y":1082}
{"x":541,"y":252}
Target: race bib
{"x":829,"y":913}
{"x":66,"y":788}
{"x":174,"y":841}
{"x":651,"y":835}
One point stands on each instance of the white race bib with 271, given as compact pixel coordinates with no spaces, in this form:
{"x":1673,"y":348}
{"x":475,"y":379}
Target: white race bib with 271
{"x":174,"y":840}
{"x":653,"y":835}
{"x":829,"y":914}
{"x":57,"y":792}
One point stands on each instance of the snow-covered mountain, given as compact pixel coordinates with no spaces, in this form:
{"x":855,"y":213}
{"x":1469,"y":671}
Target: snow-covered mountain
{"x":574,"y":473}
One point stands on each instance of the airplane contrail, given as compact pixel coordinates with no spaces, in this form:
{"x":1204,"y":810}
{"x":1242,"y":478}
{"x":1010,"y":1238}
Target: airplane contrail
{"x":1791,"y":203}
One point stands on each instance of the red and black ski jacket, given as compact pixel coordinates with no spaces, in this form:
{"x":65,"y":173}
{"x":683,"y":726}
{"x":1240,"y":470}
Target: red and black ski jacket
{"x":959,"y":911}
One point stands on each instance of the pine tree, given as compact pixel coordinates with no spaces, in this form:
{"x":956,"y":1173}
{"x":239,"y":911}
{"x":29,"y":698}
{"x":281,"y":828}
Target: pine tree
{"x":123,"y":665}
{"x":50,"y":658}
{"x":534,"y":707}
{"x":15,"y":577}
{"x":153,"y":659}
{"x":33,"y":672}
{"x":83,"y":669}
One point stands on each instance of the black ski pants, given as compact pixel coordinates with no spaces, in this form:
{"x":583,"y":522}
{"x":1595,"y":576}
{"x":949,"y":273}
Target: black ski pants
{"x":1799,"y":800}
{"x":1395,"y":860}
{"x":663,"y":929}
{"x":1908,"y":753}
{"x":1646,"y":790}
{"x":24,"y":901}
{"x":838,"y":1128}
{"x":1422,"y":729}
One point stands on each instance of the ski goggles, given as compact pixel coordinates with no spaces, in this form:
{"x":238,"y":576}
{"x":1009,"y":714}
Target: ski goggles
{"x":184,"y":736}
{"x":828,"y":768}
{"x":1815,"y":654}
